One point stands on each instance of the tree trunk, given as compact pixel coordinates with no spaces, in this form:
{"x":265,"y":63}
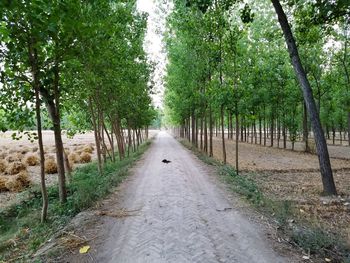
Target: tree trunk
{"x":97,"y":141}
{"x":110,"y":140}
{"x":52,"y":104}
{"x":223,"y":133}
{"x":237,"y":138}
{"x":349,"y":128}
{"x":242,"y":129}
{"x":201,"y":134}
{"x":260,"y":130}
{"x":196,"y":137}
{"x":305,"y":130}
{"x":44,"y":195}
{"x":321,"y":145}
{"x":210,"y":132}
{"x":33,"y":60}
{"x":205,"y":132}
{"x":193,"y":122}
{"x":265,"y":132}
{"x":271,"y":128}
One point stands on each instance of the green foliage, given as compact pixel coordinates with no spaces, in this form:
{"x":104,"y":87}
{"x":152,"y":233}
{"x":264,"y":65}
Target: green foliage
{"x":236,"y":58}
{"x":96,"y":48}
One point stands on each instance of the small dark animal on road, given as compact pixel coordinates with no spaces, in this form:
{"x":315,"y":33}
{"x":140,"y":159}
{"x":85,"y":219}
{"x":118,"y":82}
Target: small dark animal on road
{"x":166,"y":161}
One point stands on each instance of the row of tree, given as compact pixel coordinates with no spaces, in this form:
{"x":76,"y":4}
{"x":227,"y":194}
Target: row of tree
{"x":228,"y":64}
{"x":82,"y":60}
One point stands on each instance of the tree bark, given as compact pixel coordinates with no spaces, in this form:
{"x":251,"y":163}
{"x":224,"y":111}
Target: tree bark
{"x":237,"y":137}
{"x":193,"y":128}
{"x":53,"y":104}
{"x":33,"y":62}
{"x":97,"y":141}
{"x":305,"y":129}
{"x":223,"y":133}
{"x":210,"y":132}
{"x":321,"y":145}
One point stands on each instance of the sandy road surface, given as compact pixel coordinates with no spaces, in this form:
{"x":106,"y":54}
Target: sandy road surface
{"x":181,"y":216}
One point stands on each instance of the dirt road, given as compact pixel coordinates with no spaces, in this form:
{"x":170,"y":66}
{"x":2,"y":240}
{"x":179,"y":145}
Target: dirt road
{"x":178,"y":214}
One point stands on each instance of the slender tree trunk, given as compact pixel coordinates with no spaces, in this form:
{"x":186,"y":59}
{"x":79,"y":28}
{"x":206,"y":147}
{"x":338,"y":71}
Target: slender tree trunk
{"x":230,"y":132}
{"x":205,"y":132}
{"x":349,"y":128}
{"x":278,"y":131}
{"x":321,"y":145}
{"x":223,"y":133}
{"x":305,"y":130}
{"x":101,"y":135}
{"x":110,"y":140}
{"x":260,"y":130}
{"x":210,"y":132}
{"x":133,"y":140}
{"x":44,"y":195}
{"x":193,"y":122}
{"x":129,"y":139}
{"x":33,"y":61}
{"x":201,"y":134}
{"x":265,"y":132}
{"x":340,"y":135}
{"x":242,"y":128}
{"x":97,"y":141}
{"x":284,"y":131}
{"x":272,"y":128}
{"x":197,"y":130}
{"x":53,"y":104}
{"x":237,"y":137}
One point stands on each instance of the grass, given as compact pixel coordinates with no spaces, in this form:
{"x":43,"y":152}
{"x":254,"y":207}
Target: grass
{"x":21,"y":232}
{"x":312,"y":239}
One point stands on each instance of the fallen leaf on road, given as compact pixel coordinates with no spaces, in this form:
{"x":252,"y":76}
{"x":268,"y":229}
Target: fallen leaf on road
{"x":84,"y":249}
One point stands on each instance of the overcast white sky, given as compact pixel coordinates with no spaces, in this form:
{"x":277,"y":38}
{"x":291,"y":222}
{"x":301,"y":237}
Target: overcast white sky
{"x":154,"y":46}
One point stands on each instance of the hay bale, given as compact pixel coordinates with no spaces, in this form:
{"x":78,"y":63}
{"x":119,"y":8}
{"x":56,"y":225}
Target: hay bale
{"x":14,"y":185}
{"x":15,"y":168}
{"x":88,"y":149}
{"x":14,"y":157}
{"x":85,"y":157}
{"x":23,"y":177}
{"x":3,"y":165}
{"x":32,"y":160}
{"x":3,"y":180}
{"x":73,"y":158}
{"x":50,"y":166}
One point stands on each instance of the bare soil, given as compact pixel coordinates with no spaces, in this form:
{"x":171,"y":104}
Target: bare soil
{"x":175,"y":212}
{"x":294,"y":176}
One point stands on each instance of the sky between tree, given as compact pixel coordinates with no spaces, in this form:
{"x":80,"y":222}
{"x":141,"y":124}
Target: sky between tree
{"x":154,"y":44}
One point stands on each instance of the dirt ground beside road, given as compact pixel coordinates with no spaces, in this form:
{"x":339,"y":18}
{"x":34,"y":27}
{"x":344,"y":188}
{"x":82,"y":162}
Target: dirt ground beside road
{"x":294,"y":176}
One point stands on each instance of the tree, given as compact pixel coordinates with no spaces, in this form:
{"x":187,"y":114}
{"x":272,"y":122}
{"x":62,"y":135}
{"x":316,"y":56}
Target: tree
{"x":321,"y":145}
